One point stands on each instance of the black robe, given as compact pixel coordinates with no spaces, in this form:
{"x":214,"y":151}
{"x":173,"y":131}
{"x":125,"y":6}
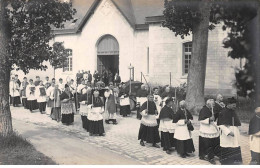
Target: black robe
{"x":225,"y":118}
{"x":86,"y":97}
{"x":181,"y":116}
{"x":204,"y":113}
{"x":254,"y":125}
{"x":64,"y":95}
{"x":166,"y":112}
{"x":151,"y":107}
{"x":97,"y":102}
{"x":217,"y":109}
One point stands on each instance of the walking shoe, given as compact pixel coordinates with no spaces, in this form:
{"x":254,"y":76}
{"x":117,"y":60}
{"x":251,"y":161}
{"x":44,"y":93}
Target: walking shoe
{"x":212,"y":161}
{"x":168,"y":152}
{"x":142,"y":143}
{"x":186,"y":154}
{"x":107,"y":121}
{"x":156,"y":146}
{"x":114,"y":122}
{"x":183,"y":156}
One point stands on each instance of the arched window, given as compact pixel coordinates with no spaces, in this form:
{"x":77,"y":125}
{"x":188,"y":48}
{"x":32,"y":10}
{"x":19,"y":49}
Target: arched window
{"x":68,"y":65}
{"x":187,"y":48}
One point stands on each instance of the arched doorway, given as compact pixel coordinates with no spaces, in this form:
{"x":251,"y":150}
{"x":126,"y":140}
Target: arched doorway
{"x":108,"y":55}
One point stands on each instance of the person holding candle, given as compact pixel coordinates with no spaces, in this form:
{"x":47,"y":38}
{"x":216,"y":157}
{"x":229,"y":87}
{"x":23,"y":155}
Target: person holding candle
{"x":141,"y":97}
{"x":228,"y":123}
{"x":148,"y":131}
{"x":167,"y":127}
{"x":124,"y":101}
{"x":95,"y":117}
{"x":208,"y":133}
{"x":184,"y":142}
{"x":85,"y":100}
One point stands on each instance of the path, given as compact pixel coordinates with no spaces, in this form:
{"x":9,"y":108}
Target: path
{"x":120,"y":140}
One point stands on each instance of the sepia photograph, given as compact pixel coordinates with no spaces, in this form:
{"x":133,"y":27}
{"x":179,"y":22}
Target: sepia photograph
{"x":129,"y":82}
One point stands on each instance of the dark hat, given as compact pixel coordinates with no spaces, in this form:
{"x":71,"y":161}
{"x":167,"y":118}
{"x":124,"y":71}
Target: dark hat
{"x":30,"y":80}
{"x":231,"y":100}
{"x":25,"y":77}
{"x":66,"y":85}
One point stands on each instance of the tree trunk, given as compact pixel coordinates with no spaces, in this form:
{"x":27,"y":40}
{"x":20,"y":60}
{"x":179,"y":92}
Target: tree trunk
{"x":54,"y":72}
{"x":257,"y":60}
{"x":5,"y":113}
{"x":197,"y":71}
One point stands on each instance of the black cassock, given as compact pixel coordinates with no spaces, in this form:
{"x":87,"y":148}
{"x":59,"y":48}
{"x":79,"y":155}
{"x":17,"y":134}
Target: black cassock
{"x":124,"y":110}
{"x":183,"y":146}
{"x":140,"y":93}
{"x":208,"y":147}
{"x":229,"y":155}
{"x":149,"y":133}
{"x":167,"y":138}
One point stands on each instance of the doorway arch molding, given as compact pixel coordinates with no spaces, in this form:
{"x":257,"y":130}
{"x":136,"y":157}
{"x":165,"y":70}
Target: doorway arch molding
{"x":107,"y":45}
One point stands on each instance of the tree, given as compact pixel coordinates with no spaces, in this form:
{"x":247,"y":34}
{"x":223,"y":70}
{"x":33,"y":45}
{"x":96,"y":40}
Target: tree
{"x":25,"y":29}
{"x":184,"y":17}
{"x":243,"y":44}
{"x":59,"y":56}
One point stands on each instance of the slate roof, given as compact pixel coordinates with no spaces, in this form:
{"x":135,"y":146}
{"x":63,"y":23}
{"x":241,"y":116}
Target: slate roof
{"x":134,"y":11}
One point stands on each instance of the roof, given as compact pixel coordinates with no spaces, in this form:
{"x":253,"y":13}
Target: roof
{"x":138,"y":13}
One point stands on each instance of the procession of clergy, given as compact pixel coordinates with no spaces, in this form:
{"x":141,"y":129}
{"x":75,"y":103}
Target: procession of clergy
{"x":218,"y":134}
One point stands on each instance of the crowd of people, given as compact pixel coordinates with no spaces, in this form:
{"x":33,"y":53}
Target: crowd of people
{"x":161,"y":120}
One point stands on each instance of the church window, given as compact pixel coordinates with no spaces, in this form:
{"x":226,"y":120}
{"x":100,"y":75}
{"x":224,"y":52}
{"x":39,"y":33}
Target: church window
{"x":68,"y":66}
{"x":187,"y":48}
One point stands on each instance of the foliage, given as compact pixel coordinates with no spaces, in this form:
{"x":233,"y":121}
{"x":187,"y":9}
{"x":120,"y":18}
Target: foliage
{"x":180,"y":17}
{"x":238,"y":40}
{"x":59,"y":55}
{"x":31,"y":22}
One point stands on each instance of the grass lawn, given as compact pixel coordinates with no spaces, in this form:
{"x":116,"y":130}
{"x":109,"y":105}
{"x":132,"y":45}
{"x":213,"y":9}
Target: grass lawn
{"x":15,"y":150}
